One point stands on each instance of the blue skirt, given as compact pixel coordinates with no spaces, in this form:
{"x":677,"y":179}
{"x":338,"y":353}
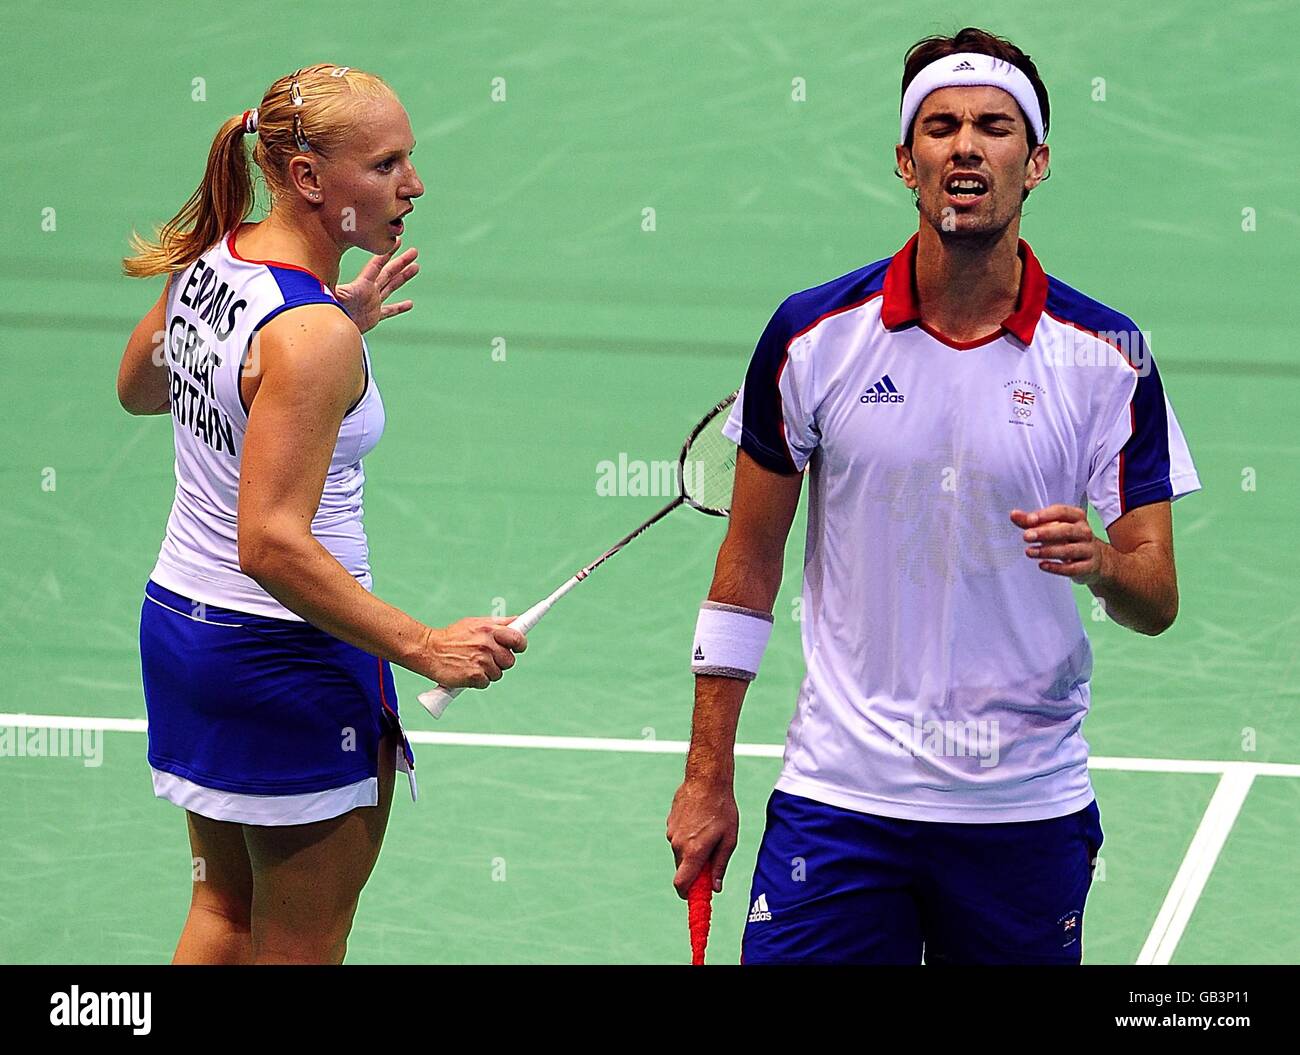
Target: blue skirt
{"x":260,"y":720}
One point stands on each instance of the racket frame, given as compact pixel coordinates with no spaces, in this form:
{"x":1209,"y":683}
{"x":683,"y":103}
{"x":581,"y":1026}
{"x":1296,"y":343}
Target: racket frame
{"x":435,"y":700}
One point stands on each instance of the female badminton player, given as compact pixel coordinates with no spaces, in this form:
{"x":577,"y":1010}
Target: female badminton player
{"x":265,"y":656}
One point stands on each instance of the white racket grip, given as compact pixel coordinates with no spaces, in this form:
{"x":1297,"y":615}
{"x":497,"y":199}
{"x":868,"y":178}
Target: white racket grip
{"x":435,"y":700}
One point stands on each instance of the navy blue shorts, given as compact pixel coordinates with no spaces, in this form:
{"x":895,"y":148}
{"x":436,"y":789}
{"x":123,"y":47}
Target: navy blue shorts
{"x":838,"y":886}
{"x":261,"y":720}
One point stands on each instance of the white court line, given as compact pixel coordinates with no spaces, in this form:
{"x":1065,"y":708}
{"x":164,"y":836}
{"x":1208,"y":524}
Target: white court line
{"x":61,"y":721}
{"x":1234,"y":784}
{"x":1197,"y":865}
{"x":662,"y":747}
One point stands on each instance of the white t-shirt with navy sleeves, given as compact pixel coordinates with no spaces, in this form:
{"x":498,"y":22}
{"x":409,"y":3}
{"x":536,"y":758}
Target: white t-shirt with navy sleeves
{"x":214,"y":308}
{"x":947,"y":674}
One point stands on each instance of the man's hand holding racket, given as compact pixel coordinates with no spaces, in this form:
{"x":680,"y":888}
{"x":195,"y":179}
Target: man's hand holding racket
{"x":703,"y":826}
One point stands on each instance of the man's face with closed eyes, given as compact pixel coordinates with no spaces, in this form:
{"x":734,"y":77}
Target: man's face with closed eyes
{"x":970,"y":161}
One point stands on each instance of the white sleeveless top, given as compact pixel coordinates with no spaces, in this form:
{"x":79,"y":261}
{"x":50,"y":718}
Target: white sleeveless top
{"x":214,"y":307}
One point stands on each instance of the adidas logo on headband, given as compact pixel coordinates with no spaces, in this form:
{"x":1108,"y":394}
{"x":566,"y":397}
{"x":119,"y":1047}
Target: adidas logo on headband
{"x":987,"y":70}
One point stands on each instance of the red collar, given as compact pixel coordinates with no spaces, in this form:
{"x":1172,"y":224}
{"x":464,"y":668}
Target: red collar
{"x":902,"y":307}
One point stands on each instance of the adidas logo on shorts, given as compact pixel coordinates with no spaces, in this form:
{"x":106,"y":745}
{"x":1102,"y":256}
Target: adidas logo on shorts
{"x":759,"y":912}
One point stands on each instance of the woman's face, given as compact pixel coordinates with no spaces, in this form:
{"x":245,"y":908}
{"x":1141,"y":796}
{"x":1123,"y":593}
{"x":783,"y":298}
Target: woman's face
{"x":372,"y":182}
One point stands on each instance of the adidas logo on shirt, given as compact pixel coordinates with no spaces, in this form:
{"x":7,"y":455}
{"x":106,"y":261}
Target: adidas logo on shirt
{"x":699,"y":652}
{"x":758,"y":912}
{"x":883,"y":391}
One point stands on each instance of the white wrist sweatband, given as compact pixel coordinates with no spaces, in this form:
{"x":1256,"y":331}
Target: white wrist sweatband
{"x":967,"y":69}
{"x":730,"y":640}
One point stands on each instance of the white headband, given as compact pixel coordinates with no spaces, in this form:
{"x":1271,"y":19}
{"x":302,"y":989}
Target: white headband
{"x":967,"y":69}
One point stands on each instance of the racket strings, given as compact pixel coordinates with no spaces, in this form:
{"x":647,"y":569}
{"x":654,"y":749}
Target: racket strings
{"x":708,"y":466}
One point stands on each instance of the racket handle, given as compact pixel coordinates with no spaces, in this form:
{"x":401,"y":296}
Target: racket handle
{"x":435,"y":701}
{"x":699,"y":910}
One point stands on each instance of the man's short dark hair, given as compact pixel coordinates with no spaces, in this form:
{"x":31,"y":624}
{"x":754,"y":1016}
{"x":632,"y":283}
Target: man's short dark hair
{"x":981,"y":42}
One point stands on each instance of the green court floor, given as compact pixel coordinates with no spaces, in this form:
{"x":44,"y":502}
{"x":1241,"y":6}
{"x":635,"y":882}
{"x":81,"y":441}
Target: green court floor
{"x":482,"y":495}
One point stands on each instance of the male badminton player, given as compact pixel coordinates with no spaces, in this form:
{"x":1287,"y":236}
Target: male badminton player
{"x":266,"y":658}
{"x":955,"y":408}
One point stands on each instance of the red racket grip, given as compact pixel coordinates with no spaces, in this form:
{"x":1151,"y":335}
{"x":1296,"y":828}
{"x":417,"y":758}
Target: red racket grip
{"x":699,"y":910}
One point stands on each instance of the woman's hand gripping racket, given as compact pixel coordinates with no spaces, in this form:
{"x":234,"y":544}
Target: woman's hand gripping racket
{"x":705,"y":473}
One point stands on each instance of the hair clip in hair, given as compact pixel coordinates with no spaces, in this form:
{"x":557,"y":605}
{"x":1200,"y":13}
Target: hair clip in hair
{"x":299,"y":139}
{"x":295,"y":97}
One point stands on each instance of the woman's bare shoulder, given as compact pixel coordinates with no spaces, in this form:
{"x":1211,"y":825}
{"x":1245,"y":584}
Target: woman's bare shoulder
{"x":312,"y":352}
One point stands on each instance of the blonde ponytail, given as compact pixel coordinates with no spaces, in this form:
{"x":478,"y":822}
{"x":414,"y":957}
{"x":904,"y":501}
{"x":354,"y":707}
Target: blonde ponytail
{"x":223,"y":200}
{"x":313,"y":110}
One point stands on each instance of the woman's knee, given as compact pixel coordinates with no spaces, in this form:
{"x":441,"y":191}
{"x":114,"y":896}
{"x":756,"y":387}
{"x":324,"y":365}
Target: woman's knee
{"x":234,"y":910}
{"x":326,"y":942}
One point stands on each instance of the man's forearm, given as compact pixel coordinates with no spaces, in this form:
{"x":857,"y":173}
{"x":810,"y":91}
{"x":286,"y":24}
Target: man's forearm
{"x":712,"y":756}
{"x":308,"y":580}
{"x":1139,"y":589}
{"x":749,"y":583}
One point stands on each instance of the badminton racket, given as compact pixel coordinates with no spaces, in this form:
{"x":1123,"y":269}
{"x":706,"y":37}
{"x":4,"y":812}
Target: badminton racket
{"x":705,"y":473}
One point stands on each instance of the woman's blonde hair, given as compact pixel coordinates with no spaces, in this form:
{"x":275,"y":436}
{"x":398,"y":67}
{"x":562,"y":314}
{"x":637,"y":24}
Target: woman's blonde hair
{"x":331,"y":99}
